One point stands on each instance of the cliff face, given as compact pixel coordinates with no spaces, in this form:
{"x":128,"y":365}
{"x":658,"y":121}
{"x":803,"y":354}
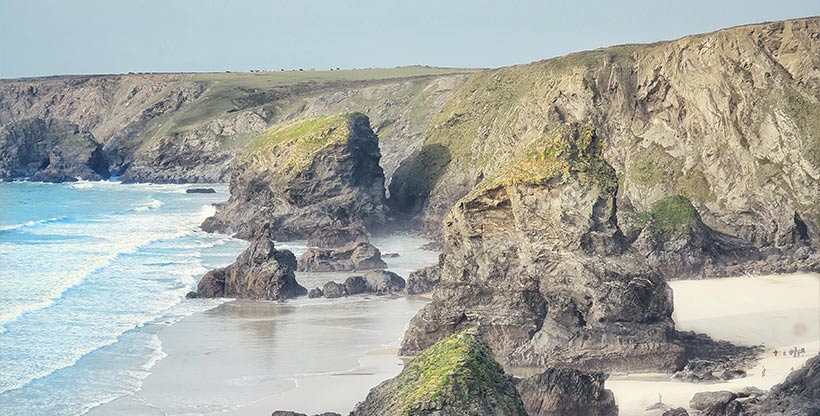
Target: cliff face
{"x":729,"y":120}
{"x":50,"y":151}
{"x":188,"y":127}
{"x":535,"y":259}
{"x":307,"y":179}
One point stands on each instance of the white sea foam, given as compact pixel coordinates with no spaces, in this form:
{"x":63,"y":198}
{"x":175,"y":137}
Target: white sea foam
{"x":153,"y":203}
{"x":30,"y":224}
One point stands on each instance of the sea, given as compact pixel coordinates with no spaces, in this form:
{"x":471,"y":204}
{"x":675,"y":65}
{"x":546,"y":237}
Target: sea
{"x":85,"y":269}
{"x":94,"y":320}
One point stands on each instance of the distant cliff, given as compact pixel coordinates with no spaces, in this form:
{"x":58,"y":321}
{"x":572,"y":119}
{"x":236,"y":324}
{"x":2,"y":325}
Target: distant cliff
{"x":188,"y":127}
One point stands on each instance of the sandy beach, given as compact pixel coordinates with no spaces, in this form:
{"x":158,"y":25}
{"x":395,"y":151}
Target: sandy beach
{"x":250,"y":358}
{"x":779,"y":312}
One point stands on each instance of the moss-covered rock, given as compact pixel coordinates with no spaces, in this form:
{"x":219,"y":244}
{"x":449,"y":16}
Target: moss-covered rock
{"x":456,"y":376}
{"x":675,"y":215}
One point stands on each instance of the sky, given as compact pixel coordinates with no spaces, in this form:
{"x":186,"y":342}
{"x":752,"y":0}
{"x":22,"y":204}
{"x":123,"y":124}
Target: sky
{"x":52,"y":37}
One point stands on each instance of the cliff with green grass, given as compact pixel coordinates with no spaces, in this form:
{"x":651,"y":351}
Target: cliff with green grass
{"x":188,"y":127}
{"x":728,"y":120}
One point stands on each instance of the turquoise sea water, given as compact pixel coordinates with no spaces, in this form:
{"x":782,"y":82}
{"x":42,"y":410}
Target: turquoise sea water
{"x":88,"y":273}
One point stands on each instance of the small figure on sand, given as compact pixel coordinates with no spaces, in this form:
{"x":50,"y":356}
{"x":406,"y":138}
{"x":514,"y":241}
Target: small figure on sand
{"x":763,"y":373}
{"x":775,"y":353}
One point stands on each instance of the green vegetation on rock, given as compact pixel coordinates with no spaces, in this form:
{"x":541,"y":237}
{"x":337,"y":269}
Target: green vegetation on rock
{"x":456,"y":376}
{"x":674,"y":215}
{"x":300,"y":140}
{"x":654,"y":166}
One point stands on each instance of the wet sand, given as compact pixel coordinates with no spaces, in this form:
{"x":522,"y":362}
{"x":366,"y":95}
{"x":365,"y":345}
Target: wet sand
{"x":250,"y":358}
{"x":779,"y":312}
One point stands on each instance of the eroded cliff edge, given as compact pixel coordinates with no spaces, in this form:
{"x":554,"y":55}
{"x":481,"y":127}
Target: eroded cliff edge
{"x":534,"y":258}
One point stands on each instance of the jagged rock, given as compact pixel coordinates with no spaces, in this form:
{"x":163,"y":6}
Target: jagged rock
{"x":423,"y":280}
{"x":355,"y":285}
{"x":333,"y":290}
{"x":534,"y":255}
{"x":383,"y":282}
{"x":353,"y":256}
{"x":305,"y":177}
{"x":260,"y":272}
{"x":708,"y":360}
{"x":676,"y":412}
{"x":799,"y":394}
{"x":50,"y":151}
{"x":391,"y":255}
{"x":711,"y":401}
{"x":315,"y":293}
{"x":456,"y":376}
{"x":563,"y":391}
{"x":751,"y":392}
{"x":200,"y":191}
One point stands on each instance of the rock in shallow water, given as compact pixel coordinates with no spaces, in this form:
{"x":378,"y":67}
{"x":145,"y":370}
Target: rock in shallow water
{"x":260,"y":272}
{"x":423,"y":280}
{"x":564,"y":391}
{"x":353,"y":256}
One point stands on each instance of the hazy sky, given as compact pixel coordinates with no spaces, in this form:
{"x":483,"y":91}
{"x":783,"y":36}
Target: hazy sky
{"x":47,"y":37}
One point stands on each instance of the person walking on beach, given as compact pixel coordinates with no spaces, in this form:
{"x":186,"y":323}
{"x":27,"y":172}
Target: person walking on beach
{"x":763,"y":373}
{"x":775,"y":353}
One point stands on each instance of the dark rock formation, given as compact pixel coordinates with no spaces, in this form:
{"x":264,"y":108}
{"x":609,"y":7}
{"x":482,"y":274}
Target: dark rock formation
{"x":563,"y":391}
{"x":200,"y":191}
{"x":50,"y":151}
{"x":333,"y":290}
{"x":382,"y":282}
{"x":456,"y":376}
{"x":260,"y":272}
{"x":534,"y":256}
{"x":423,"y":280}
{"x":355,"y":285}
{"x":315,"y":293}
{"x":712,"y":361}
{"x":305,"y":179}
{"x":715,"y":403}
{"x":799,"y":394}
{"x":353,"y":256}
{"x":676,"y":412}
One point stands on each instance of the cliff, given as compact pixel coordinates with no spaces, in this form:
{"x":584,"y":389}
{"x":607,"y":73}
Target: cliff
{"x":188,"y":127}
{"x":307,"y":179}
{"x":534,"y":258}
{"x":728,"y":120}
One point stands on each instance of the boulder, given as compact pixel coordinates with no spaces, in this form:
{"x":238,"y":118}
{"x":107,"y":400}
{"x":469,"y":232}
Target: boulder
{"x":260,"y":272}
{"x":337,"y":237}
{"x":315,"y":293}
{"x":383,"y":282}
{"x":423,"y":280}
{"x":676,"y":412}
{"x":355,"y":285}
{"x":333,"y":290}
{"x":353,"y":256}
{"x":456,"y":376}
{"x":305,"y":178}
{"x":534,"y":254}
{"x":564,"y":391}
{"x":711,"y":400}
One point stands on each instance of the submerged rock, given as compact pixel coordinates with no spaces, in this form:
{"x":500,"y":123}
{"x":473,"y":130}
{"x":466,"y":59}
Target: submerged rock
{"x":456,"y":376}
{"x":260,"y":272}
{"x":564,"y":391}
{"x":200,"y":191}
{"x":534,"y":254}
{"x":317,"y":178}
{"x":353,"y":256}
